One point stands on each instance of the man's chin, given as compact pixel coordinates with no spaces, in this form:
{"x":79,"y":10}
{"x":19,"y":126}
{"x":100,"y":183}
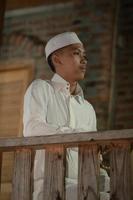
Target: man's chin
{"x":81,"y":77}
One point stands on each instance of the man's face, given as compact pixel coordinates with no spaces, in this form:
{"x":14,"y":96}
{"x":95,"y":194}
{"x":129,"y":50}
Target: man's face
{"x":72,"y":62}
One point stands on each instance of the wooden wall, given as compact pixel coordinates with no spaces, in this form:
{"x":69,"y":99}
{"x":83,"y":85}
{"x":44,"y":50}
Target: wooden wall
{"x":14,"y":78}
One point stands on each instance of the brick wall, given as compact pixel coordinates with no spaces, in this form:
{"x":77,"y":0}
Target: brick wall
{"x":26,"y":33}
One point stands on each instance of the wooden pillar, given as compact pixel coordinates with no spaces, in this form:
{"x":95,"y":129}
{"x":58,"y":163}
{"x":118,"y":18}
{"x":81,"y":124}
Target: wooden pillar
{"x":112,"y":95}
{"x":22,"y":175}
{"x":2,"y":12}
{"x":132,"y":174}
{"x":0,"y":167}
{"x":88,"y":173}
{"x":54,"y":178}
{"x":120,"y":172}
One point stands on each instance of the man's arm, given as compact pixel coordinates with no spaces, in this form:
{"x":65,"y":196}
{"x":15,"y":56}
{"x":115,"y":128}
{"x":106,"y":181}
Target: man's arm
{"x":35,"y":112}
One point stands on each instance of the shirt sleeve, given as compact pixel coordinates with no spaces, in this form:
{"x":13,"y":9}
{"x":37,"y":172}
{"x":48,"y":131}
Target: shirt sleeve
{"x":35,"y":111}
{"x":94,"y":121}
{"x":92,"y":126}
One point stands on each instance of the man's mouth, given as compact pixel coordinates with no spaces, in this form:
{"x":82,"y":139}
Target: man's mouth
{"x":83,"y":68}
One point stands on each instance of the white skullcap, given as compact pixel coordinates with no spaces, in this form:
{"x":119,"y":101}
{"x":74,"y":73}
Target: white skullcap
{"x":59,"y":41}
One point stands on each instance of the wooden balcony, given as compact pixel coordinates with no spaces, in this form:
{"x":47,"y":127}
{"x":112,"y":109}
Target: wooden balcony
{"x":119,"y":143}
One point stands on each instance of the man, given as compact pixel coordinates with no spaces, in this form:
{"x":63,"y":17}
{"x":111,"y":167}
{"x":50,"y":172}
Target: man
{"x":58,"y":105}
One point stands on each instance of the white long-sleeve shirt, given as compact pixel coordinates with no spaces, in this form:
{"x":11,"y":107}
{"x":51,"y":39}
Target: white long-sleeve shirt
{"x":49,"y":108}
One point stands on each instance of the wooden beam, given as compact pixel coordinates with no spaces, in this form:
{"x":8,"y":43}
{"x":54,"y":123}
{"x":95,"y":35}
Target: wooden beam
{"x":72,"y":139}
{"x":54,"y":179}
{"x":0,"y":168}
{"x":112,"y":97}
{"x":89,"y":168}
{"x":120,"y":172}
{"x":22,"y":175}
{"x":2,"y":12}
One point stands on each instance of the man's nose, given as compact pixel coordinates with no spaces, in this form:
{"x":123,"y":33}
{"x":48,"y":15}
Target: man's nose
{"x":84,"y":60}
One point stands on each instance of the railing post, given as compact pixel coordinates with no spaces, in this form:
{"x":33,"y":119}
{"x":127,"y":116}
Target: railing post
{"x":22,"y":175}
{"x":54,"y":179}
{"x":0,"y":167}
{"x":132,"y":172}
{"x":88,"y":173}
{"x":120,"y":172}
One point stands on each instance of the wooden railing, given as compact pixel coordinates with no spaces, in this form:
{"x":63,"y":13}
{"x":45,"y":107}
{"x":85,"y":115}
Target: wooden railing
{"x":119,"y":142}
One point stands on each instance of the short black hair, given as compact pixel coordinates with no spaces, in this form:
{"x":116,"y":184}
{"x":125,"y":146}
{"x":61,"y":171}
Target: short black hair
{"x":50,"y":62}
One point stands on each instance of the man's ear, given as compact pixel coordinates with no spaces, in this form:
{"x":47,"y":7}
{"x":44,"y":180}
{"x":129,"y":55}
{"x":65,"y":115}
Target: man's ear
{"x":56,"y":59}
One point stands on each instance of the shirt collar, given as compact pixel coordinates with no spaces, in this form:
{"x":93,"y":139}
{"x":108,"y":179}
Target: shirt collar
{"x":60,"y":84}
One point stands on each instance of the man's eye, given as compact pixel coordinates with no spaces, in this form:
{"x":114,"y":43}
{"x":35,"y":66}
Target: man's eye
{"x":85,"y":57}
{"x":76,"y":53}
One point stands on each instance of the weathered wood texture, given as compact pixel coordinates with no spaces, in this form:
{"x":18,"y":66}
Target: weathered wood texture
{"x":0,"y":168}
{"x":101,"y":137}
{"x":120,"y":172}
{"x":14,"y":79}
{"x":88,"y":173}
{"x":15,"y":76}
{"x":119,"y":143}
{"x":112,"y":95}
{"x":22,"y":175}
{"x":54,"y":184}
{"x":132,"y":174}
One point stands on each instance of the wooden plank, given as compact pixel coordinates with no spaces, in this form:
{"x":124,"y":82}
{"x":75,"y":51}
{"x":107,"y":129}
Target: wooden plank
{"x":88,"y":173}
{"x":132,"y":173}
{"x":66,"y":139}
{"x":22,"y":175}
{"x":5,"y":196}
{"x":18,"y":64}
{"x":7,"y":167}
{"x":15,"y":76}
{"x":113,"y":65}
{"x":54,"y":180}
{"x":13,"y":84}
{"x":120,"y":172}
{"x":5,"y":193}
{"x":0,"y":168}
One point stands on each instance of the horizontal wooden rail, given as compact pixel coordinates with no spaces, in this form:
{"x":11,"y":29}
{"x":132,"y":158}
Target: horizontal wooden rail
{"x":88,"y":163}
{"x":70,"y":139}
